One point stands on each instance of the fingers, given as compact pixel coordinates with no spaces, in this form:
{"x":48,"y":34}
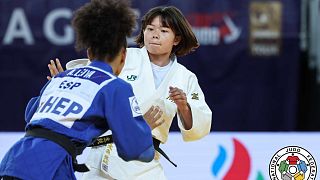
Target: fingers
{"x":159,"y":122}
{"x":176,"y":94}
{"x":51,"y":70}
{"x":155,"y":112}
{"x":54,"y":67}
{"x":59,"y":67}
{"x":178,"y":97}
{"x":158,"y":115}
{"x":49,"y":78}
{"x":153,"y":117}
{"x":149,"y":111}
{"x":175,"y":91}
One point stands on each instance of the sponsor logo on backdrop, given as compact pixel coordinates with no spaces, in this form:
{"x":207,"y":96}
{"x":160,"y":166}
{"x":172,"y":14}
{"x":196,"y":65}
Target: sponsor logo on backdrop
{"x":210,"y":29}
{"x":20,"y":29}
{"x":215,"y":28}
{"x":292,"y":163}
{"x":240,"y":167}
{"x":265,"y":28}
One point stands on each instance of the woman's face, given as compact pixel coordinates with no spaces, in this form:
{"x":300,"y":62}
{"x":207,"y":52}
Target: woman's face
{"x":159,"y":40}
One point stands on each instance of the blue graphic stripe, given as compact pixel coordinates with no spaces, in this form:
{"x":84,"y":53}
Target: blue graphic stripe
{"x":93,"y":75}
{"x":217,"y":164}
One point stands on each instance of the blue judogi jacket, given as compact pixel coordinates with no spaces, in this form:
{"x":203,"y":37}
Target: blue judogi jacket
{"x":81,"y":104}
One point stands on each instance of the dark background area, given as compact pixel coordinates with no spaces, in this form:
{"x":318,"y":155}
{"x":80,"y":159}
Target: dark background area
{"x":245,"y":92}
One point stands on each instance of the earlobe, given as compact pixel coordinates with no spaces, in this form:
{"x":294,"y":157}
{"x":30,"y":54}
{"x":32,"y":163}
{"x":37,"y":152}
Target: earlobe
{"x":124,"y":54}
{"x":177,"y":40}
{"x":89,"y":54}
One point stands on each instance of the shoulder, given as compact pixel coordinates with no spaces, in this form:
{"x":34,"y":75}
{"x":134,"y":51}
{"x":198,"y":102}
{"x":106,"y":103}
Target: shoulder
{"x":118,"y":88}
{"x":185,"y":71}
{"x":136,"y":56}
{"x":132,"y":58}
{"x":133,"y":50}
{"x":134,"y":53}
{"x":120,"y":85}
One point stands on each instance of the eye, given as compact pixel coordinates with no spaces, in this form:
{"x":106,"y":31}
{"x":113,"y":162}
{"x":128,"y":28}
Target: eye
{"x":164,"y":31}
{"x":149,"y":29}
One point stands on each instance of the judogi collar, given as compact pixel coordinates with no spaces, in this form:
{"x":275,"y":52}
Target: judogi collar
{"x":101,"y":65}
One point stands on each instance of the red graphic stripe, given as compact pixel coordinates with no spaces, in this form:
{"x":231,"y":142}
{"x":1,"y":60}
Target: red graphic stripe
{"x":240,"y":167}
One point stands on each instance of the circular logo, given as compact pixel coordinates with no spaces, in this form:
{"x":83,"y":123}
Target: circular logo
{"x":292,"y":163}
{"x":135,"y":106}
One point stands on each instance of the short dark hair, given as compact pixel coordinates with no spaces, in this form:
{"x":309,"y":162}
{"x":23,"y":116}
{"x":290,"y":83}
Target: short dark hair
{"x":173,"y":18}
{"x":102,"y":26}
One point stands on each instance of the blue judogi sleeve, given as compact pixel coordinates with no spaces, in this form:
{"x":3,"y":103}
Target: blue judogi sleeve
{"x":130,"y":132}
{"x":31,"y":108}
{"x":32,"y":105}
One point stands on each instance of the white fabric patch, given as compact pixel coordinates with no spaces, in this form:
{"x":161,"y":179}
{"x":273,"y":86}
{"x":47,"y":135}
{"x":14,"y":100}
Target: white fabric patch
{"x":134,"y":106}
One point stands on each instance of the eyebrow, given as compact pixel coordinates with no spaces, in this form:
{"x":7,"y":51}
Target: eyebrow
{"x":152,"y":25}
{"x":160,"y":26}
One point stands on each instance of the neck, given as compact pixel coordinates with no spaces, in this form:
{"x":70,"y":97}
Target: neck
{"x":160,"y":60}
{"x":114,"y":63}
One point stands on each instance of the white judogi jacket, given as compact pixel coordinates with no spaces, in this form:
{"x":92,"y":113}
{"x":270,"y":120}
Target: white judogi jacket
{"x":138,"y":72}
{"x":138,"y":66}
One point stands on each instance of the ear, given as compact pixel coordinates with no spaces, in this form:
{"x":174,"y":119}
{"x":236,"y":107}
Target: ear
{"x":177,"y":40}
{"x":89,"y":54}
{"x":123,"y":54}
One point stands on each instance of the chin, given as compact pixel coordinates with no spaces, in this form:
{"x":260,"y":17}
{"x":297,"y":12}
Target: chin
{"x":153,"y":50}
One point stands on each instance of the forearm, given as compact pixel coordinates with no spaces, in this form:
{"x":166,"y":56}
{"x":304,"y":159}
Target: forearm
{"x":201,"y":123}
{"x":186,"y":116}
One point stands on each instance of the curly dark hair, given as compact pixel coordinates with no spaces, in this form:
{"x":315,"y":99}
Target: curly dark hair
{"x":173,"y":18}
{"x":102,"y":26}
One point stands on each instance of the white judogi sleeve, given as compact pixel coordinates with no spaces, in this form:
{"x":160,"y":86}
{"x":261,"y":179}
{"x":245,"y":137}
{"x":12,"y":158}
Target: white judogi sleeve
{"x":201,"y":113}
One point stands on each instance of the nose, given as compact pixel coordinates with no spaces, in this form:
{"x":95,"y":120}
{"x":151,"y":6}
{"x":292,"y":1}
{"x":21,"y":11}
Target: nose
{"x":155,"y":34}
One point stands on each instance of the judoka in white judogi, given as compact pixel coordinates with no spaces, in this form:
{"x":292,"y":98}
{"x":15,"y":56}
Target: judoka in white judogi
{"x":139,"y":73}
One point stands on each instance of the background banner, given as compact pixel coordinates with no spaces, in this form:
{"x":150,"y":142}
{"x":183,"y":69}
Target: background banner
{"x":247,"y":64}
{"x":227,"y":156}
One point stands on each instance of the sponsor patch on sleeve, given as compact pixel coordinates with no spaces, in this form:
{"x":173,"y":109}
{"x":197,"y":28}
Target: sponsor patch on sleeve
{"x":134,"y":106}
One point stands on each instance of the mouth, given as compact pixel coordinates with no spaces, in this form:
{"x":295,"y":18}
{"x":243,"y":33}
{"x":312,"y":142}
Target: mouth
{"x":155,"y":44}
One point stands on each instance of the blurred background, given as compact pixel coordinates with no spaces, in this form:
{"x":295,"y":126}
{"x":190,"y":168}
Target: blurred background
{"x":258,"y":65}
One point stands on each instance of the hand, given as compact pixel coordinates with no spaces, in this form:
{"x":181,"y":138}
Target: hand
{"x":178,"y":97}
{"x":54,"y":68}
{"x":153,"y":117}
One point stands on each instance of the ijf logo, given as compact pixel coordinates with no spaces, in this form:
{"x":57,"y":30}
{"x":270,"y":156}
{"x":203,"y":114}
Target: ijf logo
{"x":134,"y":106}
{"x":292,"y":163}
